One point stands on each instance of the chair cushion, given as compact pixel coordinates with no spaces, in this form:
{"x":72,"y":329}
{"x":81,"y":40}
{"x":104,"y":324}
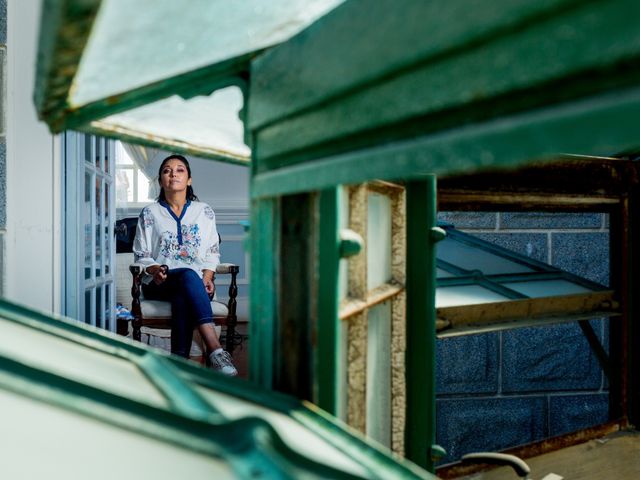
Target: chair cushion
{"x":160,"y":309}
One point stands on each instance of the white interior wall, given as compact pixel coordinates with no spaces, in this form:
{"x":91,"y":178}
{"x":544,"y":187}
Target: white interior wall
{"x":223,"y":186}
{"x":32,"y":268}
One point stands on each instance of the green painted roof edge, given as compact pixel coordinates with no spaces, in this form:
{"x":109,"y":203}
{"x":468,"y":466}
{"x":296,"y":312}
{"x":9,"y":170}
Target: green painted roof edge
{"x":186,"y":426}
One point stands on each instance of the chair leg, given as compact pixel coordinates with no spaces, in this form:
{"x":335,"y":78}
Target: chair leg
{"x":136,"y":323}
{"x":232,"y":318}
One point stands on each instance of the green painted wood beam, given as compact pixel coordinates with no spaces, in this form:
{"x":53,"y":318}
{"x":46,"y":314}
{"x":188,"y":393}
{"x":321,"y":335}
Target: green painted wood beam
{"x":264,"y":254}
{"x":405,"y":33}
{"x":598,"y":125}
{"x":328,"y":328}
{"x":64,"y":32}
{"x":565,"y":54}
{"x":421,"y":321}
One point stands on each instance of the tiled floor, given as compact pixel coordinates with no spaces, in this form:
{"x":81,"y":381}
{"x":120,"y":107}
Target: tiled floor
{"x":241,"y":352}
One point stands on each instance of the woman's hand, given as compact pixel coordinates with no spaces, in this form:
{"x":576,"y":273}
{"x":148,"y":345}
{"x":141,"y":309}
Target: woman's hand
{"x":207,"y":280}
{"x":158,"y":272}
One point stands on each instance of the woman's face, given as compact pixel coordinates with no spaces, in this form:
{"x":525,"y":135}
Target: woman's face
{"x":174,"y":176}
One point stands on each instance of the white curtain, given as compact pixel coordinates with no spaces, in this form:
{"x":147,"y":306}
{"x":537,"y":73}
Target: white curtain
{"x":148,"y":160}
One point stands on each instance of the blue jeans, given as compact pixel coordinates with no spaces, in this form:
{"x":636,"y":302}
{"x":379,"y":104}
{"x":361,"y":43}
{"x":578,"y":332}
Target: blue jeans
{"x":190,"y":305}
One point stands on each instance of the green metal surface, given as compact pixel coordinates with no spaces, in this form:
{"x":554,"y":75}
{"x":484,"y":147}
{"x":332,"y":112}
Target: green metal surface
{"x":556,"y":55}
{"x":327,"y":359}
{"x":421,"y":321}
{"x":265,"y":221}
{"x":580,"y":126}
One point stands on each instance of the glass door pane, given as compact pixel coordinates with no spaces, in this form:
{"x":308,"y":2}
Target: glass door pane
{"x":379,"y":374}
{"x":89,"y":164}
{"x":378,"y":240}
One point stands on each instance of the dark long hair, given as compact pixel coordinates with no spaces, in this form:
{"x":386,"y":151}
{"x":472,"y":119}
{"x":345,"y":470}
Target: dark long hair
{"x":190,"y":194}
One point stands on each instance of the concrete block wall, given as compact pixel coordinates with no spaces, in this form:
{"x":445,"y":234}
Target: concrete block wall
{"x":504,"y":389}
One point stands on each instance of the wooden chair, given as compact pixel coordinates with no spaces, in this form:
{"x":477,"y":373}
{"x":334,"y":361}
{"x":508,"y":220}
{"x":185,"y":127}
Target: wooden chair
{"x":156,"y":314}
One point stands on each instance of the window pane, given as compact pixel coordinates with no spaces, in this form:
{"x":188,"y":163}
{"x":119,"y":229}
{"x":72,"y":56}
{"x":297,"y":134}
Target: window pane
{"x":466,"y":295}
{"x":98,"y":198}
{"x":87,"y":251}
{"x":143,"y":187}
{"x":108,"y":64}
{"x":88,"y":141}
{"x":440,"y":273}
{"x":105,"y":210}
{"x":106,"y":156}
{"x":73,"y":443}
{"x":99,"y":306}
{"x":87,"y":189}
{"x":87,"y":307}
{"x":547,"y":288}
{"x":473,"y":258}
{"x":122,"y":157}
{"x":379,"y":374}
{"x":343,"y":386}
{"x":124,"y":186}
{"x":75,"y":361}
{"x":105,"y":225}
{"x":107,"y":306}
{"x":300,"y":439}
{"x":86,"y":217}
{"x":98,"y":251}
{"x":378,"y":240}
{"x":99,"y":149}
{"x":107,"y":251}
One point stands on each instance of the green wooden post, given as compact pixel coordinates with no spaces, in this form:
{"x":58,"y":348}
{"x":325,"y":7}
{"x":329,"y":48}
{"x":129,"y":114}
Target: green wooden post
{"x":264,"y":285}
{"x":633,"y":328}
{"x":326,"y":359}
{"x":421,"y":278}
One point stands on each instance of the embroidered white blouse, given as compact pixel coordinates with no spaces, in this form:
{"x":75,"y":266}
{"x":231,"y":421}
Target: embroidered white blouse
{"x":189,"y":241}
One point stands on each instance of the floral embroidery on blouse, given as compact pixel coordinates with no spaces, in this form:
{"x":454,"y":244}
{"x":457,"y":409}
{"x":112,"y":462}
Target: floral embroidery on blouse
{"x":208,"y":211}
{"x":187,"y":252}
{"x":215,"y":248}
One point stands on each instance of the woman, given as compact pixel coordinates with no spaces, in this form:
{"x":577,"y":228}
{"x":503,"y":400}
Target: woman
{"x":180,"y":232}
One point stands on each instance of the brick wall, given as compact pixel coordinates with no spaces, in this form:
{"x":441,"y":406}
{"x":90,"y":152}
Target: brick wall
{"x":504,"y":389}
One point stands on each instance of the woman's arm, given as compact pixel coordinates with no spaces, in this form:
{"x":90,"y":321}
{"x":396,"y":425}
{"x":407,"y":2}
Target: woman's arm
{"x":210,"y":240}
{"x":143,"y":245}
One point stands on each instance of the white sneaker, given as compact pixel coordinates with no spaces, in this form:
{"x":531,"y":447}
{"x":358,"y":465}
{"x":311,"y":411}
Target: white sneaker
{"x":221,"y":361}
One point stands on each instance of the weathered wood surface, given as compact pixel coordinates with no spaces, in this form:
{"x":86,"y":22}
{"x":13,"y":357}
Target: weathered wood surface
{"x":615,"y":457}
